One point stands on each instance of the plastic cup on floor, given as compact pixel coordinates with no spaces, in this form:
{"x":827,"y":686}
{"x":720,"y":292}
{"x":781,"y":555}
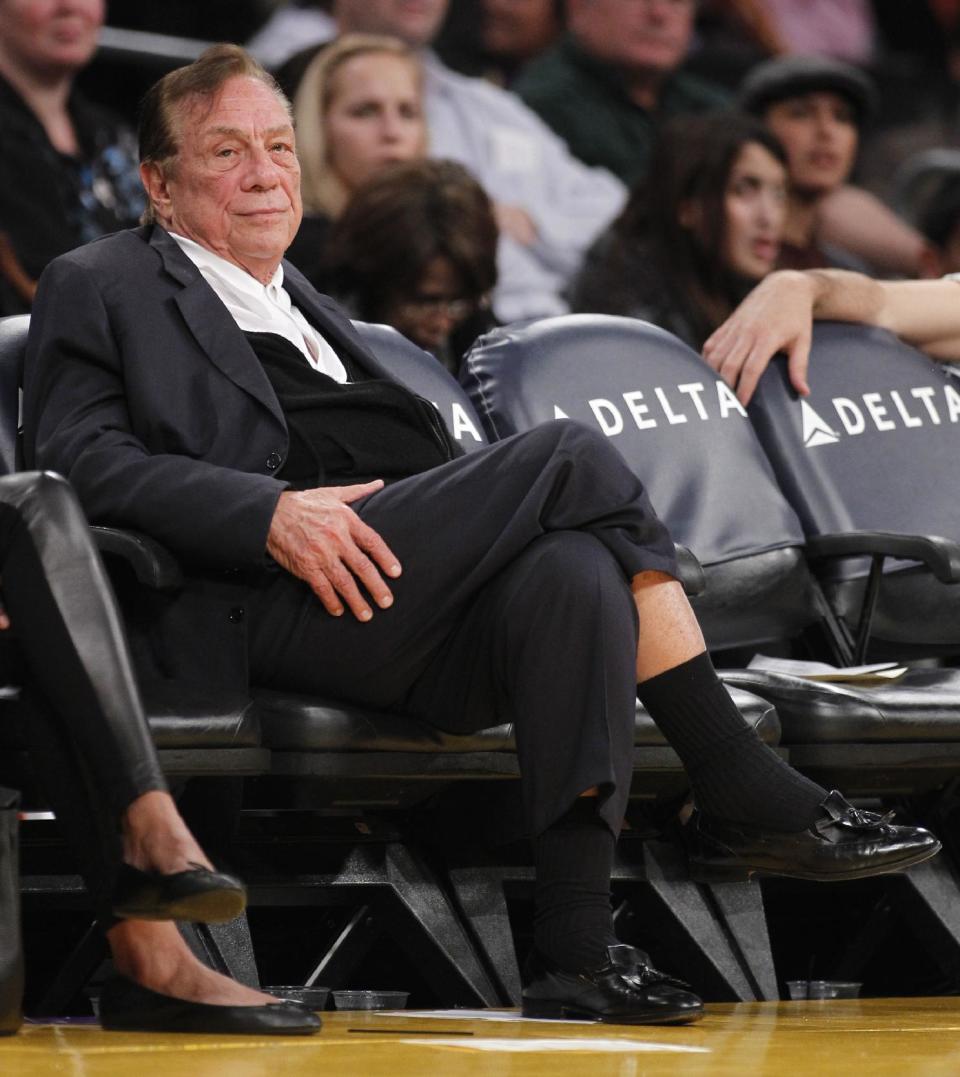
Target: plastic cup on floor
{"x":797,"y":989}
{"x":370,"y":1000}
{"x":313,"y":997}
{"x":833,"y":989}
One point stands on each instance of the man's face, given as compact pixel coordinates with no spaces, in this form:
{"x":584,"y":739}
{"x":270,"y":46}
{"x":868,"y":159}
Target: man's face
{"x":637,"y":35}
{"x":234,"y":185}
{"x":51,"y":35}
{"x":519,"y":28}
{"x":417,"y":22}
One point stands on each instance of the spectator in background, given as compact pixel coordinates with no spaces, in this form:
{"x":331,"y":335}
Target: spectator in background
{"x":549,"y":206}
{"x":292,"y":27}
{"x":496,"y":38}
{"x":68,"y":171}
{"x":817,"y":107}
{"x":416,"y":248}
{"x":614,"y":77}
{"x":358,"y":108}
{"x":697,"y":236}
{"x":513,"y":32}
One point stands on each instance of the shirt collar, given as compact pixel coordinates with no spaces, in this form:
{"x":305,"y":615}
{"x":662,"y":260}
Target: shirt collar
{"x":233,"y":275}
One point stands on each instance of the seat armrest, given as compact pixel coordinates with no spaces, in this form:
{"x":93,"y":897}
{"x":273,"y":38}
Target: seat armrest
{"x":152,"y":564}
{"x":940,"y":555}
{"x":691,"y":571}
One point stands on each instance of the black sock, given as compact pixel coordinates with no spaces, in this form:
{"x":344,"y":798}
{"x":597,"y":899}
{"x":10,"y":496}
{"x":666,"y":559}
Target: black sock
{"x":734,"y":775}
{"x":573,"y":919}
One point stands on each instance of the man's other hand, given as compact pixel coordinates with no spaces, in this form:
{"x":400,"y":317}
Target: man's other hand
{"x":776,"y":316}
{"x":316,"y":536}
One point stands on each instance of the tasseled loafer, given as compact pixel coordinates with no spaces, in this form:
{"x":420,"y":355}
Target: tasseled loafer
{"x":627,"y":990}
{"x":844,"y":843}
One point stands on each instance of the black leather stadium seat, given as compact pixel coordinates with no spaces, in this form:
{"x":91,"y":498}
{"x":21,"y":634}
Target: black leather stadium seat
{"x":684,"y":434}
{"x":681,"y":431}
{"x":869,"y":463}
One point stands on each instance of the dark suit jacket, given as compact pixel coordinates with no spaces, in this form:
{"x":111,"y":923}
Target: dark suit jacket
{"x":140,"y":388}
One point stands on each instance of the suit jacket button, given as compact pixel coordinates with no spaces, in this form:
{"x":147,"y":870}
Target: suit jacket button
{"x":236,"y":615}
{"x":274,"y":460}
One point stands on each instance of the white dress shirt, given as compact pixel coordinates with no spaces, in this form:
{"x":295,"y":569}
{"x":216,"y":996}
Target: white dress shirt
{"x":519,"y":161}
{"x":262,"y":308}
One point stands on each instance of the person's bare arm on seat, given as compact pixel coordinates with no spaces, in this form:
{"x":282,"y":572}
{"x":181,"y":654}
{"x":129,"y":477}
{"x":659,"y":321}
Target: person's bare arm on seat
{"x":778,"y":316}
{"x":317,"y":537}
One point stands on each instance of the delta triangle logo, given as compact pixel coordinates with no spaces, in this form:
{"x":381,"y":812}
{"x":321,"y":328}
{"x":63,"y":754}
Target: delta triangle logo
{"x":815,"y":430}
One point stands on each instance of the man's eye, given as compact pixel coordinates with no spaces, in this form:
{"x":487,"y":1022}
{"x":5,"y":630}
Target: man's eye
{"x":227,"y":151}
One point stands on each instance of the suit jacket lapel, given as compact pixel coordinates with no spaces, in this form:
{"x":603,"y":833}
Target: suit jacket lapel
{"x":213,"y":327}
{"x":334,"y":326}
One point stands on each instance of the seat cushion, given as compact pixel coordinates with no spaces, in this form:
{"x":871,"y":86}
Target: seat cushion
{"x":188,"y":715}
{"x":292,"y":722}
{"x":923,"y":705}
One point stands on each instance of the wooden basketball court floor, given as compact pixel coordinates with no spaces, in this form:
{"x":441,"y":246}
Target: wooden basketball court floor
{"x":866,"y":1038}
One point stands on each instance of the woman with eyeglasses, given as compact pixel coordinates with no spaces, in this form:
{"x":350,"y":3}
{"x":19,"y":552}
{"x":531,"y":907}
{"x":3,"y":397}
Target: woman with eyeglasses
{"x":416,"y":248}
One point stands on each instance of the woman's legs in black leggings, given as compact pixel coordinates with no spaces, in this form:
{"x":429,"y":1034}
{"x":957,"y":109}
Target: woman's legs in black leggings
{"x":87,"y":733}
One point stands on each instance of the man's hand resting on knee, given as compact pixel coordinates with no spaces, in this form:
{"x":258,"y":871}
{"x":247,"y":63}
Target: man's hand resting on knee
{"x":316,"y":536}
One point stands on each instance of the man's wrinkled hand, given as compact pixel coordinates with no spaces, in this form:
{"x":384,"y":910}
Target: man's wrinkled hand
{"x":316,"y":536}
{"x":777,"y":316}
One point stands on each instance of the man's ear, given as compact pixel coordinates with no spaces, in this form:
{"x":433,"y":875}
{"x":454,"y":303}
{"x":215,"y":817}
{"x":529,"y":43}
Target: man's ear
{"x":153,"y":176}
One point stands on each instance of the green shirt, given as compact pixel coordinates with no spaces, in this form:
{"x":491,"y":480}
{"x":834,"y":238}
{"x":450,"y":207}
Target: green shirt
{"x":586,"y":102}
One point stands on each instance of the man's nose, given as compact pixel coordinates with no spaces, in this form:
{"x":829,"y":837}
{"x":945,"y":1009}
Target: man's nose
{"x":261,"y":169}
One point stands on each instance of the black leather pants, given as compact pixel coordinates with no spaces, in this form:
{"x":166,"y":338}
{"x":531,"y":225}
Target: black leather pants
{"x":88,"y":738}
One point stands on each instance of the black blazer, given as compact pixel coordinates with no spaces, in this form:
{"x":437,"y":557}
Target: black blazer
{"x":140,"y":388}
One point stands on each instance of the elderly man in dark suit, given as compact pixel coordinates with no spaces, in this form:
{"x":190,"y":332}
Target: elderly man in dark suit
{"x":192,"y":385}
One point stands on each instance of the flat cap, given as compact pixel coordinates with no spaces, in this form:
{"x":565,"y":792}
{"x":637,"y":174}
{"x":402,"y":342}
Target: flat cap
{"x":790,"y":76}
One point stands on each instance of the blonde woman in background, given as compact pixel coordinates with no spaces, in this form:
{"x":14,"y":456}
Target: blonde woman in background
{"x":357,"y":110}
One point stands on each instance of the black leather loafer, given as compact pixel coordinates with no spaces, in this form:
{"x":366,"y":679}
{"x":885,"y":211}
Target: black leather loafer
{"x":125,"y":1006}
{"x":625,"y":991}
{"x":198,"y":894}
{"x":844,"y":843}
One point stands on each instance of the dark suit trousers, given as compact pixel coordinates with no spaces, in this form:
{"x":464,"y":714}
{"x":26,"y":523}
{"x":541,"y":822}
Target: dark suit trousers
{"x":88,"y":738}
{"x":514,"y":606}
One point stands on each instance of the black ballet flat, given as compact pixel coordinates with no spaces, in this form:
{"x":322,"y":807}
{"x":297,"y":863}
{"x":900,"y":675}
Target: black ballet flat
{"x":198,"y":895}
{"x":843,"y":843}
{"x":627,"y":990}
{"x":125,"y":1006}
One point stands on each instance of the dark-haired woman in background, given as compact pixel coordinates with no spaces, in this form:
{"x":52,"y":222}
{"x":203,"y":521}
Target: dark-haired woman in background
{"x":416,"y":248}
{"x":698,"y":234}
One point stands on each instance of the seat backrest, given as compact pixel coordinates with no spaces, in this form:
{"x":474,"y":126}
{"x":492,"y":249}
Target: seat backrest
{"x":681,"y":430}
{"x":875,"y":446}
{"x":13,"y":345}
{"x":422,"y":373}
